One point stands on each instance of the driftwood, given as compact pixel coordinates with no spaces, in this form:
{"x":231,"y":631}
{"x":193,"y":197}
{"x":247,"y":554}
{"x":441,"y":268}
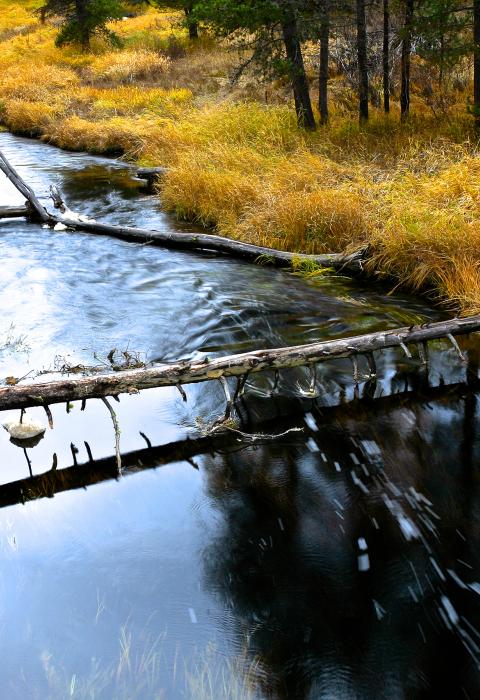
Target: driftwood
{"x":13,"y":212}
{"x":176,"y":240}
{"x":99,"y":386}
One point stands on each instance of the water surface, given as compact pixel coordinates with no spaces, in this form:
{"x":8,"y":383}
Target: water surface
{"x":338,"y":562}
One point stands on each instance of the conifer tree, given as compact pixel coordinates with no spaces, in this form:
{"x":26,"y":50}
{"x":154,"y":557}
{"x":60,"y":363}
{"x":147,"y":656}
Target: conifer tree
{"x":274,"y":31}
{"x":81,"y":19}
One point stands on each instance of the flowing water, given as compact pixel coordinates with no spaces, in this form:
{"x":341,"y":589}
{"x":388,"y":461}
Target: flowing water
{"x":340,"y":561}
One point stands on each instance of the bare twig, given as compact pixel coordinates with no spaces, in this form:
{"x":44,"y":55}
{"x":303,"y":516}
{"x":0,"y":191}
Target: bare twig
{"x":89,"y":451}
{"x":252,"y":438}
{"x":116,"y":427}
{"x":49,"y":416}
{"x":228,"y":398}
{"x":456,"y":347}
{"x":182,"y":392}
{"x":149,"y":444}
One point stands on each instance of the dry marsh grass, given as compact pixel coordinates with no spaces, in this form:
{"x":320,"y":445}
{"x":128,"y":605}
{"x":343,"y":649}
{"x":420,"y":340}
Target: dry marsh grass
{"x":129,"y":66}
{"x":410,"y":190}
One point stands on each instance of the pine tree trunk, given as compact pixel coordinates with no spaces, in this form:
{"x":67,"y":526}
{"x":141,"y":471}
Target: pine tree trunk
{"x":476,"y":61}
{"x":298,"y":76}
{"x":362,"y":61}
{"x":324,"y":60}
{"x":405,"y":64}
{"x":81,"y":13}
{"x":192,"y":25}
{"x":386,"y":56}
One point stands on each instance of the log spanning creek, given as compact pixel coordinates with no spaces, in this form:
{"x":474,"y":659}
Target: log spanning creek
{"x":341,"y":560}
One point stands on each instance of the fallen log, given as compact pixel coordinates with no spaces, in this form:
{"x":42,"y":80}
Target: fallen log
{"x":209,"y":242}
{"x":173,"y":239}
{"x":14,"y":212}
{"x":186,"y":372}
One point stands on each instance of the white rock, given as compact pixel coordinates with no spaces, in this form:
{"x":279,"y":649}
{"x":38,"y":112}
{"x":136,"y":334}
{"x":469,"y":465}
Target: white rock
{"x":60,"y":227}
{"x":25,"y":430}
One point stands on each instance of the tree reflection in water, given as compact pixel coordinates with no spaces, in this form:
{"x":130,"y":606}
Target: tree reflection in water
{"x":285,"y":559}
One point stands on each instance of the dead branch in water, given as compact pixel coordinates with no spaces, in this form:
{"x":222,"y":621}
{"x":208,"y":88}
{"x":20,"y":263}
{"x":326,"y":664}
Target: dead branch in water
{"x":352,"y":263}
{"x":189,"y":372}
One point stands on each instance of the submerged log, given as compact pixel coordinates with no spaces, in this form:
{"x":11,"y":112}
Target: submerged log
{"x":132,"y":381}
{"x":14,"y":212}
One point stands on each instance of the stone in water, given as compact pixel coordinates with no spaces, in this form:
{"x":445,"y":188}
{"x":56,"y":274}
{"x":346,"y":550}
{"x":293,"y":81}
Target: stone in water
{"x":24,"y":431}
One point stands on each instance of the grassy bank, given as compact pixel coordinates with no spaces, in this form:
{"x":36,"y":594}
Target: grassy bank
{"x":238,"y":161}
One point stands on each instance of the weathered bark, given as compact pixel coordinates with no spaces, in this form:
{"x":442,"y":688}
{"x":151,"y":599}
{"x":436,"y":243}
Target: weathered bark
{"x":13,"y":212}
{"x":324,"y":61}
{"x":405,"y":61}
{"x":386,"y":56}
{"x":476,"y":61}
{"x":298,"y":76}
{"x":36,"y":209}
{"x":63,"y":390}
{"x":362,"y":61}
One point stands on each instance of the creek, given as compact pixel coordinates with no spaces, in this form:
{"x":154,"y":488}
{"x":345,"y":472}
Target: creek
{"x":340,"y":562}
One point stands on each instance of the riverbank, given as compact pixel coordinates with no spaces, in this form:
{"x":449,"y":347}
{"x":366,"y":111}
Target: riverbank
{"x":236,"y":163}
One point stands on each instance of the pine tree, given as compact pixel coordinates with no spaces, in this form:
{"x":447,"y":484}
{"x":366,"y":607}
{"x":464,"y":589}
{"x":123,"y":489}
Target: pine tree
{"x":274,"y":29}
{"x":82,"y":19}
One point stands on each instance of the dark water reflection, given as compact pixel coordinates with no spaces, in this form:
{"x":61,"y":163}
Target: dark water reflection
{"x":339,"y":562}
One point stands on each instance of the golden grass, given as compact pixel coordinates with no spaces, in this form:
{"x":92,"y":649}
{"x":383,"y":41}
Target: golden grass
{"x":411,"y":191}
{"x":129,"y":66}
